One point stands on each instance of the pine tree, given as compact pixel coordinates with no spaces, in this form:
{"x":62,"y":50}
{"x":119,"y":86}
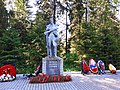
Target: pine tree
{"x":10,"y":47}
{"x":3,"y":17}
{"x":97,"y":38}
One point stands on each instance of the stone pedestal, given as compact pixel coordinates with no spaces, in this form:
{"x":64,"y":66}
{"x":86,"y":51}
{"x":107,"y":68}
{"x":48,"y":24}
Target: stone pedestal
{"x":52,"y":65}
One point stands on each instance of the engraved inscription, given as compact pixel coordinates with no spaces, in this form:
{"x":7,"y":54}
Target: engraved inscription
{"x":53,"y":67}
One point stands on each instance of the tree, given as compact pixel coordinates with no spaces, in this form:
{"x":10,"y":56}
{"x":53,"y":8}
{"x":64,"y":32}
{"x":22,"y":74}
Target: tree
{"x":10,"y":47}
{"x":3,"y":17}
{"x":97,"y":38}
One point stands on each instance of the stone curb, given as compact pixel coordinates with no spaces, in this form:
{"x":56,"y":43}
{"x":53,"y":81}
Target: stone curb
{"x":79,"y":72}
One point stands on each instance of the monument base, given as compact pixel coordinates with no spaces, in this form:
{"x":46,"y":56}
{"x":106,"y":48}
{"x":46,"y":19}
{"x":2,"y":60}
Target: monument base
{"x":52,"y":65}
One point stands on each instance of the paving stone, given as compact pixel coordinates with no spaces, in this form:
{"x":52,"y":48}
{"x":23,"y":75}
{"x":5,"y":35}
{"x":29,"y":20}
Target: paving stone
{"x":79,"y":82}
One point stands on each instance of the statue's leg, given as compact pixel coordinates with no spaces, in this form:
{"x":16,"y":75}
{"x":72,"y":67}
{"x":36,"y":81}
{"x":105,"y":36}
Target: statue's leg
{"x":47,"y":45}
{"x":50,"y":50}
{"x":55,"y":51}
{"x":55,"y":48}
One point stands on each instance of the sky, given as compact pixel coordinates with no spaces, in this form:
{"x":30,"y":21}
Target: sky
{"x":61,"y":20}
{"x":118,"y":12}
{"x":35,"y":8}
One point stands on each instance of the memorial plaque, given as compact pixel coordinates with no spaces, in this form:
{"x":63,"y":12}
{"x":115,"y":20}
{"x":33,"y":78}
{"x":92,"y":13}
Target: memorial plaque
{"x":53,"y":67}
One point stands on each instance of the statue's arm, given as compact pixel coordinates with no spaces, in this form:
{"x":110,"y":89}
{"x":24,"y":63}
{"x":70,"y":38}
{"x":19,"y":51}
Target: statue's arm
{"x":50,"y":29}
{"x":46,"y":32}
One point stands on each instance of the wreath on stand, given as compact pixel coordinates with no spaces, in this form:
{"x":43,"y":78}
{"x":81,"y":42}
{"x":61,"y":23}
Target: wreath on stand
{"x":7,"y":73}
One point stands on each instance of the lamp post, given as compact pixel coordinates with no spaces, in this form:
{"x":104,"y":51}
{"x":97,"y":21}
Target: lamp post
{"x":54,"y":12}
{"x":66,"y":26}
{"x":87,"y":12}
{"x":66,"y":30}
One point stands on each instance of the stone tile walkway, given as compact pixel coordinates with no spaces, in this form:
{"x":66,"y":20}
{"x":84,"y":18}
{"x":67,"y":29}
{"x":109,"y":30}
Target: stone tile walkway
{"x":79,"y":82}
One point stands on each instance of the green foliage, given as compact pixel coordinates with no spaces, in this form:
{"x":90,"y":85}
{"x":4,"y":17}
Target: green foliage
{"x":3,"y":16}
{"x":99,"y":38}
{"x":24,"y":43}
{"x":10,"y":47}
{"x":71,"y":63}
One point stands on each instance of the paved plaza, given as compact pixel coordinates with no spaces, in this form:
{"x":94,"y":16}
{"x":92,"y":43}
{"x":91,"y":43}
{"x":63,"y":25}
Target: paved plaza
{"x":79,"y":82}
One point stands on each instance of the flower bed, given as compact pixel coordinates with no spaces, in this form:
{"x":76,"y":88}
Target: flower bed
{"x":50,"y":78}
